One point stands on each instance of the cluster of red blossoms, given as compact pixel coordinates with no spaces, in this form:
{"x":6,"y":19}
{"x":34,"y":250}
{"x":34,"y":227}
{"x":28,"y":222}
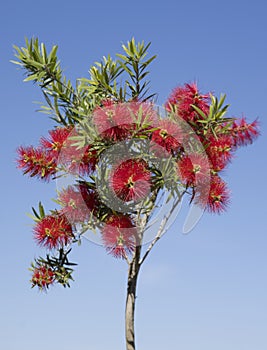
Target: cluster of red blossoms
{"x":131,"y":179}
{"x":58,"y":150}
{"x":43,"y":277}
{"x":119,"y":235}
{"x":219,"y":145}
{"x":77,"y":203}
{"x":53,"y":231}
{"x":117,"y":121}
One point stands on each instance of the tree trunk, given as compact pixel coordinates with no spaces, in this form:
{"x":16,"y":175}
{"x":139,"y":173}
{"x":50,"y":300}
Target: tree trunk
{"x":130,"y":300}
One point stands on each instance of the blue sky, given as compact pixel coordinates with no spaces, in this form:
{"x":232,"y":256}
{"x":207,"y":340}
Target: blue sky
{"x":202,"y":291}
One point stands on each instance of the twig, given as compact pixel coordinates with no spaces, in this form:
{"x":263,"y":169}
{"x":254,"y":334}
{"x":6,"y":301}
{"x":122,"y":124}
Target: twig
{"x":161,"y":230}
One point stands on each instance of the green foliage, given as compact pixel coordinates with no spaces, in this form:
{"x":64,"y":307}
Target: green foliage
{"x":102,"y":82}
{"x":41,"y":67}
{"x":131,"y":64}
{"x":215,"y":118}
{"x":38,"y":216}
{"x":68,"y":105}
{"x":44,"y":68}
{"x":134,"y":64}
{"x":60,"y":265}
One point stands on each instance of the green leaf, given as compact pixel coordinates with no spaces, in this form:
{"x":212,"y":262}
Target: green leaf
{"x":33,"y":217}
{"x":123,"y":57}
{"x":36,"y":214}
{"x":31,"y":77}
{"x":199,"y":111}
{"x":52,"y":57}
{"x":41,"y":210}
{"x":221,"y":101}
{"x":44,"y":54}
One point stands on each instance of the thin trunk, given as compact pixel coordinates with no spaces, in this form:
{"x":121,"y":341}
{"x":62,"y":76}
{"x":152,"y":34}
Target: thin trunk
{"x":130,"y":300}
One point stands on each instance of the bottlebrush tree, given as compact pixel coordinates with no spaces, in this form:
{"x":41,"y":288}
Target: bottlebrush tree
{"x":122,"y":164}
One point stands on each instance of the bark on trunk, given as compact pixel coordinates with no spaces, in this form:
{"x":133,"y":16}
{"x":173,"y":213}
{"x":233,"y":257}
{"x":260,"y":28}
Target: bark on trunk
{"x":130,"y":300}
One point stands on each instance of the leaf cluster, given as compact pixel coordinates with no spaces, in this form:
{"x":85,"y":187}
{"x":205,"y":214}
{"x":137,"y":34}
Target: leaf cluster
{"x":60,"y":265}
{"x":68,"y":105}
{"x":44,"y":69}
{"x":216,"y":117}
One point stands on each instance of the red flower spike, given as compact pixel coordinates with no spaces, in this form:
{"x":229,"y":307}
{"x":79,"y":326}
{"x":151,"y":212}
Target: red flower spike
{"x":53,"y":231}
{"x":80,"y":161}
{"x":119,"y":235}
{"x":89,"y":196}
{"x":194,"y":169}
{"x":88,"y":162}
{"x":74,"y":205}
{"x":215,"y":199}
{"x":113,"y":121}
{"x":117,"y":121}
{"x":57,"y":139}
{"x":186,"y":96}
{"x":43,"y":277}
{"x":131,"y":180}
{"x":219,"y":151}
{"x":37,"y":162}
{"x":169,"y":136}
{"x":244,"y":133}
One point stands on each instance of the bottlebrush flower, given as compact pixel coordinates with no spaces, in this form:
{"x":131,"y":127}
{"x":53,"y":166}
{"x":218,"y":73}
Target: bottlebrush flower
{"x":244,"y":133}
{"x":57,"y":139}
{"x":76,"y":160}
{"x":219,"y":151}
{"x":215,"y":197}
{"x":194,"y":169}
{"x":88,"y":162}
{"x":119,"y":235}
{"x":73,"y":205}
{"x":113,"y":120}
{"x":43,"y":277}
{"x":168,"y":135}
{"x":131,"y":180}
{"x":144,"y":114}
{"x":89,"y":196}
{"x":36,"y":162}
{"x":184,"y":97}
{"x":53,"y":231}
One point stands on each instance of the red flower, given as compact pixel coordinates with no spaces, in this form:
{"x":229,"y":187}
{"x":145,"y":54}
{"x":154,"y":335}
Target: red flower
{"x":219,"y":151}
{"x":57,"y":139}
{"x":244,"y":133}
{"x":131,"y":180}
{"x":119,"y":235}
{"x":184,"y":97}
{"x":88,"y":162}
{"x":74,"y":206}
{"x":43,"y":277}
{"x":37,"y":162}
{"x":214,"y":198}
{"x":194,"y":169}
{"x":89,"y":196}
{"x":169,"y":136}
{"x":53,"y":231}
{"x":113,"y":121}
{"x":117,"y":121}
{"x":76,"y":160}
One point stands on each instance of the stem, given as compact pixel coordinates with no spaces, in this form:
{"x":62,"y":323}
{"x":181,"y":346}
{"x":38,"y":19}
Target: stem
{"x":133,"y":272}
{"x":161,"y":229}
{"x":137,"y":83}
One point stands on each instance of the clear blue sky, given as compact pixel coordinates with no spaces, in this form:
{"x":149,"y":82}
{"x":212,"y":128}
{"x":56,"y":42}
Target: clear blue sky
{"x":202,"y":291}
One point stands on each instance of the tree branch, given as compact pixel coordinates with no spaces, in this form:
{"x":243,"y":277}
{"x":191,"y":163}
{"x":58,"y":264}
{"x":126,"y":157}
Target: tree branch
{"x":161,"y":229}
